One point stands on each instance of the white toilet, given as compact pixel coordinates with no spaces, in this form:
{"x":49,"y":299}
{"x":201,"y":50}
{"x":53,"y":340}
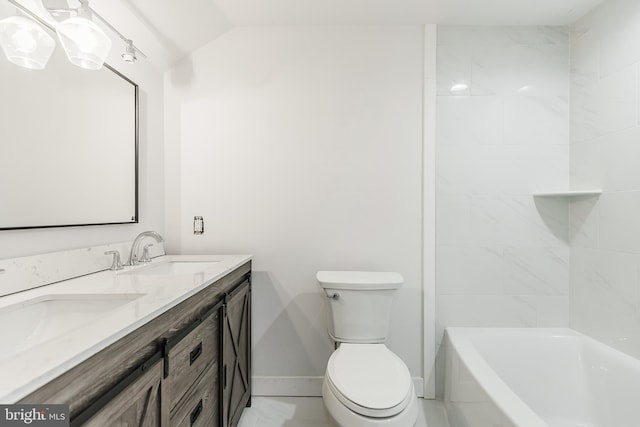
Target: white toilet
{"x":365,"y":384}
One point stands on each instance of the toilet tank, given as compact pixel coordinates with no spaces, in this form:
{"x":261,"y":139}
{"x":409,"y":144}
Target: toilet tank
{"x":359,"y":304}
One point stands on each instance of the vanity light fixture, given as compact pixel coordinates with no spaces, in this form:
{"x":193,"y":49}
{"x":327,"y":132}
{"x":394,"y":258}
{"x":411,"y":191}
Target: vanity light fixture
{"x":86,"y":12}
{"x":25,"y":43}
{"x":84,"y":42}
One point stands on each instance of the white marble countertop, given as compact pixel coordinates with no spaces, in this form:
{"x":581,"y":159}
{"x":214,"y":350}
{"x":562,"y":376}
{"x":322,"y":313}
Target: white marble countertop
{"x":142,"y":297}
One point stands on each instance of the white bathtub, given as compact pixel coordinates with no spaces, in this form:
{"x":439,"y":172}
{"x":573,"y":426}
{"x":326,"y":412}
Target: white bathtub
{"x":538,"y":378}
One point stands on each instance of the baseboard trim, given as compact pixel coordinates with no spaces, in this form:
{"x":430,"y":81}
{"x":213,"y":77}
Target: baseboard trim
{"x":302,"y":386}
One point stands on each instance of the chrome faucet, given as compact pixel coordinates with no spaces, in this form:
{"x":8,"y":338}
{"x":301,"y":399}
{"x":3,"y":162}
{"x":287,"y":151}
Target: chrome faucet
{"x":117,"y":264}
{"x":133,"y":256}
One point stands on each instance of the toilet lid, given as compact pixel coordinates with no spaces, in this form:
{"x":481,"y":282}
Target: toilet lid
{"x":359,"y":279}
{"x":370,"y":379}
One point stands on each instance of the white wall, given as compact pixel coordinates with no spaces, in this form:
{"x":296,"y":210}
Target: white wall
{"x":605,"y":149}
{"x":302,"y":146}
{"x":502,"y":256}
{"x":151,"y":191}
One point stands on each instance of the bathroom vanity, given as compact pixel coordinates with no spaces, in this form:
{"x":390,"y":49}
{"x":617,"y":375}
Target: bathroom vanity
{"x":175,"y":352}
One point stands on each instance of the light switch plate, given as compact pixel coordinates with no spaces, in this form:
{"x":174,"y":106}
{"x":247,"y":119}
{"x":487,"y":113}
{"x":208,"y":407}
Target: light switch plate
{"x":198,"y":225}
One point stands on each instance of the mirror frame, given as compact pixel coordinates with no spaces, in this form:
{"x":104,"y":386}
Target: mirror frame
{"x":136,"y":215}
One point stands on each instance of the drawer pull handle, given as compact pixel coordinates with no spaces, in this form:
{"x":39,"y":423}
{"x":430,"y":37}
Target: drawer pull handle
{"x":196,"y":412}
{"x":195,"y":353}
{"x":224,"y":377}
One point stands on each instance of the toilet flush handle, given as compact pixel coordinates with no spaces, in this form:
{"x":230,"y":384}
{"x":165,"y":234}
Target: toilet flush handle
{"x":334,"y":296}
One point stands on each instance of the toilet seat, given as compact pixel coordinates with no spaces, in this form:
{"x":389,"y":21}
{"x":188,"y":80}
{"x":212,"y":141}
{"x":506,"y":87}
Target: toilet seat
{"x":369,"y":379}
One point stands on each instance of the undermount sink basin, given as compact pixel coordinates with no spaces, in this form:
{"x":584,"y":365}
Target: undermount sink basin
{"x":43,"y":318}
{"x":174,"y":268}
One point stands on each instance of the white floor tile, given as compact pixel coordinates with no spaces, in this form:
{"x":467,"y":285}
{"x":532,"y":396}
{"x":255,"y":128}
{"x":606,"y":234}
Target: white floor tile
{"x":310,"y":412}
{"x":433,"y":414}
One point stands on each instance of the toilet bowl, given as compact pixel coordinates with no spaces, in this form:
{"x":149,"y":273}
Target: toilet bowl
{"x":365,"y":383}
{"x":368,"y":385}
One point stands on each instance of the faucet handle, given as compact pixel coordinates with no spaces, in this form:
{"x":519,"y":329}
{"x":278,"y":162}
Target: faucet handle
{"x":145,"y":253}
{"x":117,"y":264}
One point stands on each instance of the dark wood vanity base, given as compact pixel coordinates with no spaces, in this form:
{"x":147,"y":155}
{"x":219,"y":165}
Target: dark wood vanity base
{"x":190,"y":366}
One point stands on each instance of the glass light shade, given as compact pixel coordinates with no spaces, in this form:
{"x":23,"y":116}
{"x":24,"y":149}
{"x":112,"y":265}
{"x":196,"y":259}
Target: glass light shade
{"x":25,"y":43}
{"x":85,"y":44}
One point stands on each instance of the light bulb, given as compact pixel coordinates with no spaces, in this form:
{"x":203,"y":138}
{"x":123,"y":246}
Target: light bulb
{"x":85,"y":44}
{"x":84,"y":38}
{"x":25,"y":43}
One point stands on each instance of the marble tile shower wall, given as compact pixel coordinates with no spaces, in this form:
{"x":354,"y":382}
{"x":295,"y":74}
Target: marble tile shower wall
{"x":502,"y":134}
{"x":605,"y":153}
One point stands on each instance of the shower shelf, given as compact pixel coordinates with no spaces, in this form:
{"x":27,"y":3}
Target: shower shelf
{"x":574,"y":193}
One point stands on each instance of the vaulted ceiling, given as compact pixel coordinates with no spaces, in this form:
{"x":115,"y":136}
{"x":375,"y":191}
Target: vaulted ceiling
{"x":186,"y":25}
{"x":172,"y":29}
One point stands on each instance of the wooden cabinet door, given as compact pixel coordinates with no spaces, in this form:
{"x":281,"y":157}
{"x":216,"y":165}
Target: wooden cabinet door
{"x":235,"y":372}
{"x":139,"y":404}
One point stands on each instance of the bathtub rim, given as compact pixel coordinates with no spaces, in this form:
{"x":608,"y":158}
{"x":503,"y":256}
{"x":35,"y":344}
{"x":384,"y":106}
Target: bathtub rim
{"x":511,"y":405}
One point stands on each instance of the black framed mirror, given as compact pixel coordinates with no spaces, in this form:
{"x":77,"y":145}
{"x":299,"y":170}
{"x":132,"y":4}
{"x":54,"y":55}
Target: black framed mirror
{"x":68,"y":144}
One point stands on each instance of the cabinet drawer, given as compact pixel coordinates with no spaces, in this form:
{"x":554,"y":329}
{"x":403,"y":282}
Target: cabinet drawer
{"x":188,"y":359}
{"x":199,"y":406}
